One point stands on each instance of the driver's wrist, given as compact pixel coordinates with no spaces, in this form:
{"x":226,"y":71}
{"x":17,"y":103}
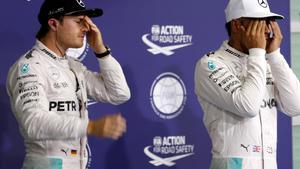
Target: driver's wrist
{"x":275,"y":56}
{"x":273,"y":51}
{"x":100,"y":49}
{"x":257,"y":52}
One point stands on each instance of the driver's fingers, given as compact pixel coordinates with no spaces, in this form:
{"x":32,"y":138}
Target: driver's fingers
{"x":249,"y":28}
{"x":89,"y":21}
{"x":255,"y":27}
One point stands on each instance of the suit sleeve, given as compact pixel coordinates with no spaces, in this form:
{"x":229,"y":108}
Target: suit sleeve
{"x":286,"y":84}
{"x":108,"y":86}
{"x":218,"y":85}
{"x":27,"y":88}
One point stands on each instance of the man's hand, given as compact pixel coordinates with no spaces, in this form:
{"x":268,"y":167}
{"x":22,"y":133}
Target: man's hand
{"x":254,"y":34}
{"x":110,"y":126}
{"x":94,"y":36}
{"x":275,"y":42}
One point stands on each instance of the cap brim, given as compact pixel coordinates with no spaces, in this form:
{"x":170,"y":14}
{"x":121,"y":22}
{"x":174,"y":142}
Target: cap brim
{"x":89,"y":12}
{"x":264,"y":15}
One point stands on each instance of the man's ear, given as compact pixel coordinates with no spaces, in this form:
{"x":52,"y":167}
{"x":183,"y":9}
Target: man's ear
{"x":53,"y":23}
{"x":234,"y":24}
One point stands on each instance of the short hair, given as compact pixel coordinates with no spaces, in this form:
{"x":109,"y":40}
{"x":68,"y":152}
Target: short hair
{"x":44,"y":29}
{"x":228,"y":28}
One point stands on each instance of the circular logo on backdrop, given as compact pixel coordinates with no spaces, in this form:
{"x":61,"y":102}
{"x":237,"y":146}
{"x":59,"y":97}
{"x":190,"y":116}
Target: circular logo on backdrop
{"x":79,"y":53}
{"x":168,"y":95}
{"x":80,"y":3}
{"x":263,"y":3}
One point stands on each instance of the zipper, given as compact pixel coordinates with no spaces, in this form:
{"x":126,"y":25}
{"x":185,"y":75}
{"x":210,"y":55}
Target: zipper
{"x":81,"y":109}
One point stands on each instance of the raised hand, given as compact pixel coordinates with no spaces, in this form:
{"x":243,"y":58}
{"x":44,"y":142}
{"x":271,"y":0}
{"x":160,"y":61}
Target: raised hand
{"x":254,"y":35}
{"x":94,"y":36}
{"x":275,"y":42}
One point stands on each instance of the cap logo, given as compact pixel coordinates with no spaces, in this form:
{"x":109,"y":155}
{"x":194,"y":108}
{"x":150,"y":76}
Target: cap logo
{"x":56,"y":11}
{"x":263,"y":3}
{"x":80,"y":3}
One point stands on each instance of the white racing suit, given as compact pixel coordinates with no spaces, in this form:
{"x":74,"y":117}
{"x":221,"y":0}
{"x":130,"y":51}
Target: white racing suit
{"x":49,"y":100}
{"x":239,"y":95}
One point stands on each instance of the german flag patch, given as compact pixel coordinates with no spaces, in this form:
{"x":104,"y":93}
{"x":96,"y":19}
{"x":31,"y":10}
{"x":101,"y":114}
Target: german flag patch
{"x":73,"y":153}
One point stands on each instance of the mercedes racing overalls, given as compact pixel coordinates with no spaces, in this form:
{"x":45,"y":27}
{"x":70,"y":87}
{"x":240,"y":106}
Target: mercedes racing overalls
{"x":49,"y":97}
{"x":239,"y":95}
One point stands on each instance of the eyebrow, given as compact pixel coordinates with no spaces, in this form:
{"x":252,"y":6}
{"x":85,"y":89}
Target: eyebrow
{"x":80,"y":17}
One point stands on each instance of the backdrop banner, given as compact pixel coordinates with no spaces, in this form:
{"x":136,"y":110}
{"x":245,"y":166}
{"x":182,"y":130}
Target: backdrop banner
{"x":157,"y":43}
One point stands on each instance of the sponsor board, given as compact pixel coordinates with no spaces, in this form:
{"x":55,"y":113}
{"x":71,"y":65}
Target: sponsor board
{"x":166,"y":150}
{"x":165,"y":39}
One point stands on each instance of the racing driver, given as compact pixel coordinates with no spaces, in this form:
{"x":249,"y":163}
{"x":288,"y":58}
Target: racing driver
{"x":242,"y":84}
{"x":49,"y":89}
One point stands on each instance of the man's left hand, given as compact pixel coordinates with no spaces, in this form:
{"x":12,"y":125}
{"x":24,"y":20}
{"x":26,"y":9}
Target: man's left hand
{"x":275,"y":42}
{"x":94,"y":36}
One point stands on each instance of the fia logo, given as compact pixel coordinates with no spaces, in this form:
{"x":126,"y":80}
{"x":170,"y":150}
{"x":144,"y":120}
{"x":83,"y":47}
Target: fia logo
{"x":173,"y":35}
{"x":155,"y":29}
{"x":263,"y":3}
{"x":175,"y":147}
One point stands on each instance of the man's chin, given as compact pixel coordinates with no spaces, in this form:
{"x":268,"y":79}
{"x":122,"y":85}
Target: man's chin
{"x":77,"y":45}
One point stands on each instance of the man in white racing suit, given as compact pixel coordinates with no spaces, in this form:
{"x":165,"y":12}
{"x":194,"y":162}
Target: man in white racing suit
{"x":49,"y":90}
{"x":241,"y":85}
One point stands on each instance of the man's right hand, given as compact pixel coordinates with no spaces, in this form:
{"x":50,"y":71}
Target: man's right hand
{"x":254,"y":34}
{"x":110,"y":126}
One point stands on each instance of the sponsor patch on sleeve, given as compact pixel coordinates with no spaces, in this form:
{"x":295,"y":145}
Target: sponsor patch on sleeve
{"x":224,"y":79}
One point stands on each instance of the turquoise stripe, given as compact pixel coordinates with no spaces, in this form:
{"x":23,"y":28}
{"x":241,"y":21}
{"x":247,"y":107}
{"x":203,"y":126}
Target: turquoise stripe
{"x":56,"y":163}
{"x":226,"y":163}
{"x":235,"y":163}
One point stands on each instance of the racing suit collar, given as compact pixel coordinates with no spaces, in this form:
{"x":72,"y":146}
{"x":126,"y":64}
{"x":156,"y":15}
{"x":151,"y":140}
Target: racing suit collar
{"x":47,"y":51}
{"x":232,"y":51}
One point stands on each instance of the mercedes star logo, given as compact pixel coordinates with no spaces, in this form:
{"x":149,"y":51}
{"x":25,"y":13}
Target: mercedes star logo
{"x":263,"y":3}
{"x":80,"y":3}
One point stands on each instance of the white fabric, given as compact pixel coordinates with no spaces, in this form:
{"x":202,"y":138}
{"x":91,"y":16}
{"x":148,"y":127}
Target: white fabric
{"x":249,"y":9}
{"x":49,"y":99}
{"x":239,"y":95}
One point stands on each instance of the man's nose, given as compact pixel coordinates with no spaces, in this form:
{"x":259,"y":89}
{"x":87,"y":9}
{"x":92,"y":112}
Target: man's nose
{"x":84,"y":26}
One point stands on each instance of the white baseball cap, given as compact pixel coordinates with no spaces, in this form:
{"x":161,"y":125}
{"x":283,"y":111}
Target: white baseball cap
{"x":249,"y":9}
